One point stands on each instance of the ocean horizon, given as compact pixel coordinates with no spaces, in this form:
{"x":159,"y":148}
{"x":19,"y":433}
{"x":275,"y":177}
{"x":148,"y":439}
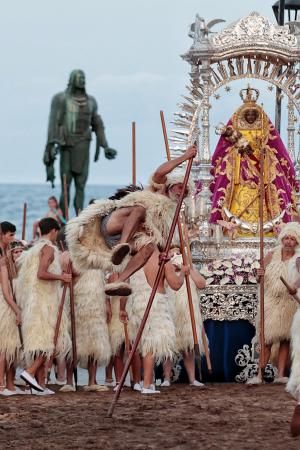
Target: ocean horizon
{"x":14,"y":195}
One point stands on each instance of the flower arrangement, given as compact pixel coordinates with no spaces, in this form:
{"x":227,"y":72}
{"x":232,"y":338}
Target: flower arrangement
{"x":236,"y":271}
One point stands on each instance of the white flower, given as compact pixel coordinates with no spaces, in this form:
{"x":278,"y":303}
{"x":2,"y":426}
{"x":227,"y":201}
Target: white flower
{"x":247,"y":269}
{"x":224,"y":280}
{"x":240,"y":269}
{"x":227,"y":263}
{"x":237,"y":262}
{"x":210,"y":280}
{"x":217,"y":264}
{"x":252,"y":279}
{"x":219,"y":272}
{"x":248,"y":260}
{"x":238,"y":279}
{"x":205,"y":271}
{"x":255,"y":265}
{"x":229,"y":272}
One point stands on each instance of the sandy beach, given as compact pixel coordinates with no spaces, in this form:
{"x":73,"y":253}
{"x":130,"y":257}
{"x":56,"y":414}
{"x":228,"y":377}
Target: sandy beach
{"x":223,"y":416}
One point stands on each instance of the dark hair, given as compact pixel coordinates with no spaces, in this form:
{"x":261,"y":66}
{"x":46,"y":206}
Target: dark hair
{"x":54,"y":199}
{"x":92,"y":201}
{"x":8,"y":227}
{"x":48,"y":224}
{"x":122,"y":192}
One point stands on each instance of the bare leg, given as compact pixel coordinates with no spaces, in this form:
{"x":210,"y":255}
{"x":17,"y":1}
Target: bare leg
{"x":92,"y":369}
{"x":119,"y":365}
{"x":283,"y":355}
{"x":136,"y":368}
{"x":267,"y":353}
{"x":2,"y":371}
{"x":108,"y":371}
{"x":10,"y":378}
{"x":126,"y":221}
{"x":40,"y":375}
{"x":168,"y":365}
{"x":148,"y":364}
{"x":189,"y":364}
{"x":61,"y":369}
{"x":135,"y":263}
{"x":38,"y":362}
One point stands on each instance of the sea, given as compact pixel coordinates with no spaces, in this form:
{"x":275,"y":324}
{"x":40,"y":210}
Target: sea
{"x":13,"y":197}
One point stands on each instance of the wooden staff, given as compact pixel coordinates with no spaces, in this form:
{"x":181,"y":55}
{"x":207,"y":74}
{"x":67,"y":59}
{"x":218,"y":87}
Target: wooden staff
{"x":66,"y":200}
{"x":261,"y":252}
{"x":159,"y":274}
{"x":290,"y":289}
{"x":73,"y":334}
{"x":204,"y":337}
{"x":24,"y":221}
{"x":133,"y":154}
{"x":182,"y":248}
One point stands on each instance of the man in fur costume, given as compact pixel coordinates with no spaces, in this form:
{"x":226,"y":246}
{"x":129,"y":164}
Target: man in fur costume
{"x":158,"y":341}
{"x":10,"y":319}
{"x":104,"y":234}
{"x":92,"y":338}
{"x":38,"y":292}
{"x":182,"y":319}
{"x":280,"y":306}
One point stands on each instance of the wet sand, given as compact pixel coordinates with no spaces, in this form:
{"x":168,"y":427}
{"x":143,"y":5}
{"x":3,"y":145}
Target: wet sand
{"x":223,"y":416}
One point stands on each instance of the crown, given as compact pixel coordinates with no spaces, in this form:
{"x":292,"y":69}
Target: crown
{"x":249,"y":95}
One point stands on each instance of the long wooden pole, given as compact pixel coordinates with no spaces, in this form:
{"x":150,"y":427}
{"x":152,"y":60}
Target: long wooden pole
{"x":66,"y":200}
{"x":182,"y":248}
{"x":262,"y":362}
{"x":73,"y":334}
{"x":24,"y":221}
{"x":204,"y":337}
{"x":154,"y":289}
{"x":133,"y":154}
{"x":127,"y":350}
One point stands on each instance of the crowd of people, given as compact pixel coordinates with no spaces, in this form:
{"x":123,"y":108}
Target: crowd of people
{"x":105,"y":261}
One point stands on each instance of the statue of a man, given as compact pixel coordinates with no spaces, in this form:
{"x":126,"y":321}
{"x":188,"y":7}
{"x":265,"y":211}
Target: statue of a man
{"x":73,"y":118}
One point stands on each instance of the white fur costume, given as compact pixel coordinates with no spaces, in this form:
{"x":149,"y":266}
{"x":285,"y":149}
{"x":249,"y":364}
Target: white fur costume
{"x":158,"y":337}
{"x":39,"y":301}
{"x":10,"y":343}
{"x":182,"y":318}
{"x":279,"y":304}
{"x":86,"y":244}
{"x":293,"y":386}
{"x":90,"y":318}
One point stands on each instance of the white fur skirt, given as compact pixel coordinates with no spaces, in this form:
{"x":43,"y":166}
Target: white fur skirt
{"x":293,"y":386}
{"x":279,"y":313}
{"x":158,"y":337}
{"x":10,"y":343}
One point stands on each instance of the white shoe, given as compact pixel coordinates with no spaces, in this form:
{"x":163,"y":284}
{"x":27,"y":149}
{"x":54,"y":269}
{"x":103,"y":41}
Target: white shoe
{"x":60,"y":383}
{"x":166,"y":383}
{"x":149,"y":391}
{"x":197,"y":383}
{"x":95,"y":388}
{"x":8,"y":393}
{"x":46,"y":391}
{"x":254,"y":380}
{"x":281,"y":380}
{"x":31,"y":381}
{"x":67,"y":388}
{"x":110,"y":383}
{"x":137,"y":387}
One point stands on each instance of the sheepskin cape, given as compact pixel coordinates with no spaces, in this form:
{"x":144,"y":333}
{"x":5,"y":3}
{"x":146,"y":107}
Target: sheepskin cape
{"x":293,"y":385}
{"x":10,"y":344}
{"x":280,"y":307}
{"x":158,"y":337}
{"x":92,"y":337}
{"x":182,"y":319}
{"x":39,"y":301}
{"x":86,"y":244}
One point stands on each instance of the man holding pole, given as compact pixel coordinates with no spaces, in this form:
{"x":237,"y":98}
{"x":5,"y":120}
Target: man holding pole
{"x":38,"y":293}
{"x":279,"y":305}
{"x":108,"y":231}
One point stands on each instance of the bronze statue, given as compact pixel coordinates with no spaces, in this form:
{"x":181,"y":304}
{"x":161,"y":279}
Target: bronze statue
{"x":73,"y":118}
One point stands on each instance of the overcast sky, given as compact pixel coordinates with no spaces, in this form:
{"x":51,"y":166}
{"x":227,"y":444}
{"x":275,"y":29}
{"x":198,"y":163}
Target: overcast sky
{"x":130,"y":51}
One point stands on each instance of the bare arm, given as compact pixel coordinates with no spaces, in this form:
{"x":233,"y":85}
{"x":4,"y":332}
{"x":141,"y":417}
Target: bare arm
{"x":46,"y":258}
{"x":160,"y":175}
{"x":198,"y":279}
{"x":6,"y":289}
